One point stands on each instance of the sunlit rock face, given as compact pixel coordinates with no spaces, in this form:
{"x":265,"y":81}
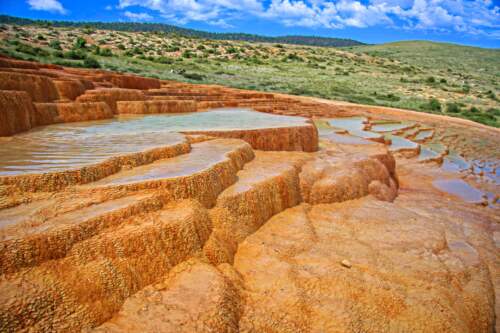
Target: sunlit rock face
{"x":129,"y":204}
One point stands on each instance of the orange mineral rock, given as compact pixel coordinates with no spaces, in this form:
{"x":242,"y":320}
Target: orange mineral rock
{"x":16,"y":112}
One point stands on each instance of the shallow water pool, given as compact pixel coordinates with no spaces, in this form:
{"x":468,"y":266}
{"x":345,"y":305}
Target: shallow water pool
{"x":71,"y":145}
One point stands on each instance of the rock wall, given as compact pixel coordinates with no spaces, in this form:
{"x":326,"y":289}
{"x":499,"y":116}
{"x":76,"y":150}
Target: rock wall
{"x":16,"y":112}
{"x":69,"y":89}
{"x":299,"y":138}
{"x":40,"y":88}
{"x":158,"y":106}
{"x":52,"y":113}
{"x":111,"y":96}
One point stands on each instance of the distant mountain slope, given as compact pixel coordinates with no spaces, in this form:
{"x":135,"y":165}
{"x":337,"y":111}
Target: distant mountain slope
{"x":167,"y":28}
{"x":436,"y":55}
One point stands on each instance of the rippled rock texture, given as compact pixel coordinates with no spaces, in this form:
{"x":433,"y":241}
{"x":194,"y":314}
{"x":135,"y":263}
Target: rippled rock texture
{"x":113,"y":227}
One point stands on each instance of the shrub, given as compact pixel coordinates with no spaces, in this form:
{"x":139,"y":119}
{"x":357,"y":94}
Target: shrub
{"x":491,"y":94}
{"x":34,"y":51}
{"x":106,"y":52}
{"x":80,"y":43}
{"x":452,"y":108}
{"x":172,"y":49}
{"x":164,"y":60}
{"x":187,"y":54}
{"x":473,"y":109}
{"x":193,"y":76}
{"x":55,"y":44}
{"x":91,"y":63}
{"x":430,"y":79}
{"x":493,"y":111}
{"x":121,"y":47}
{"x":58,"y":54}
{"x":432,"y":105}
{"x":75,"y":55}
{"x":40,"y":37}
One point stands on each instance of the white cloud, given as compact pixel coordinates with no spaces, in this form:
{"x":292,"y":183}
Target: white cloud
{"x":108,"y":7}
{"x":138,"y":16}
{"x":467,"y":16}
{"x":47,"y":5}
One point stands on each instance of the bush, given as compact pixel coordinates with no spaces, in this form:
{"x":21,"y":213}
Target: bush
{"x":172,"y":49}
{"x":432,"y":105}
{"x":121,"y":47}
{"x":473,"y":109}
{"x":491,"y":94}
{"x":193,"y":76}
{"x":40,"y":37}
{"x":106,"y":52}
{"x":493,"y":111}
{"x":293,"y":57}
{"x":164,"y":60}
{"x":430,"y":79}
{"x":91,"y":63}
{"x":75,"y":55}
{"x":452,"y":108}
{"x":80,"y":43}
{"x":55,"y":44}
{"x":58,"y":54}
{"x":28,"y":49}
{"x":187,"y":54}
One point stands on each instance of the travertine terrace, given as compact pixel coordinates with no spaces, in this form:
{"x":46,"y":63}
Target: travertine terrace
{"x":131,"y":204}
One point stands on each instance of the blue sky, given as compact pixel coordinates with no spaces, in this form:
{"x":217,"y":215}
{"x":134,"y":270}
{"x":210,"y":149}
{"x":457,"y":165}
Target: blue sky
{"x":470,"y":22}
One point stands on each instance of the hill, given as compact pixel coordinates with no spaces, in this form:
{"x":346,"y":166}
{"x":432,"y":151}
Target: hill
{"x":429,"y":77}
{"x":172,"y":29}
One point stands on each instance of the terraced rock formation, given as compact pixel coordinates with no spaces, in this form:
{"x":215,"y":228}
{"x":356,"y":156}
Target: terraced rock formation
{"x":130,"y":205}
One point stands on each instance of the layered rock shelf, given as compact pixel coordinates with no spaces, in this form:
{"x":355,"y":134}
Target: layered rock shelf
{"x":132,"y":204}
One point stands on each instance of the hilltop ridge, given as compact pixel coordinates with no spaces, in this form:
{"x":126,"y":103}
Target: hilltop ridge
{"x":172,"y":29}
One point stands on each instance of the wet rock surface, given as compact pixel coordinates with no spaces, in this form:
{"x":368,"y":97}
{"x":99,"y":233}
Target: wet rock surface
{"x":242,"y":222}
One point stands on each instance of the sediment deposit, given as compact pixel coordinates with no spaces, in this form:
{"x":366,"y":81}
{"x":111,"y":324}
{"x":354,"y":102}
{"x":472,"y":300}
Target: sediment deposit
{"x":111,"y":221}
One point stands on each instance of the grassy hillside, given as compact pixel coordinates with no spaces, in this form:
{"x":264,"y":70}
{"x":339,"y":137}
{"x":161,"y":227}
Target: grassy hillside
{"x":429,"y":77}
{"x":172,"y":29}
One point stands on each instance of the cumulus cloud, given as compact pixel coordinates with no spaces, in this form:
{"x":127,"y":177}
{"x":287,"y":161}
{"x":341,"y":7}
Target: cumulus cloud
{"x":47,"y":5}
{"x":138,"y":16}
{"x":467,"y":16}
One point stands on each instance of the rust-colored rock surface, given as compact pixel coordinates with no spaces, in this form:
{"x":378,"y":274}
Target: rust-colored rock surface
{"x":16,"y":112}
{"x":114,"y":219}
{"x":111,"y":96}
{"x":158,"y":106}
{"x":40,"y":88}
{"x":53,"y":113}
{"x":303,"y":138}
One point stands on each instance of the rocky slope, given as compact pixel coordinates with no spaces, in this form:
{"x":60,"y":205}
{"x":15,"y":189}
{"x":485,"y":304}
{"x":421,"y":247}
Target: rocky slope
{"x":324,"y":226}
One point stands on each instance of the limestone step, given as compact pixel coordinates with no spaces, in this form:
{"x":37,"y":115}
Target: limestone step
{"x":195,"y":297}
{"x":68,"y":154}
{"x":31,"y":235}
{"x":93,"y":280}
{"x":207,"y":170}
{"x":266,"y":186}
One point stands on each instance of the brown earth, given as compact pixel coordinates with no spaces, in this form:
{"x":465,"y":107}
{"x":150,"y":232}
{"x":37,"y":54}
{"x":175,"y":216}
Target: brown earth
{"x":264,"y":230}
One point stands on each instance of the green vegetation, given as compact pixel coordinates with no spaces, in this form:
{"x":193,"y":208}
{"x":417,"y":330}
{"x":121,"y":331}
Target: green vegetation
{"x":89,"y":28}
{"x":430,"y":77}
